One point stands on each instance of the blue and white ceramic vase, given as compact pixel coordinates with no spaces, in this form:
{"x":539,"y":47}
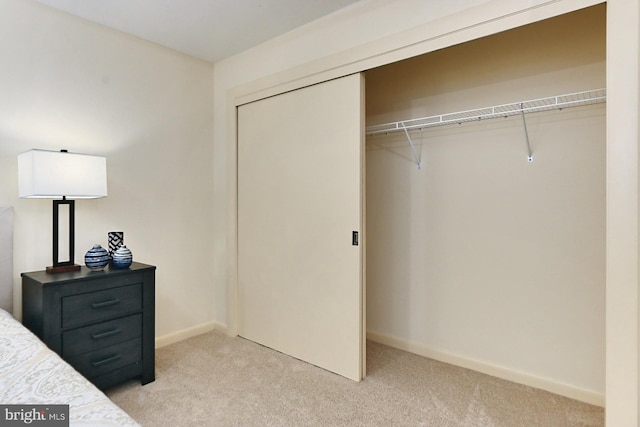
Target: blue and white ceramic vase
{"x":96,"y":258}
{"x":122,"y":257}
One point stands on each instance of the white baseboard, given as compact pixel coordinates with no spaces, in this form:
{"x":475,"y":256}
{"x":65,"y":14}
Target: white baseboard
{"x":184,"y":334}
{"x":547,"y":384}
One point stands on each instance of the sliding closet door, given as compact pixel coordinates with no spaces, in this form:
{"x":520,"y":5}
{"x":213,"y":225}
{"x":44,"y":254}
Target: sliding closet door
{"x":300,"y":181}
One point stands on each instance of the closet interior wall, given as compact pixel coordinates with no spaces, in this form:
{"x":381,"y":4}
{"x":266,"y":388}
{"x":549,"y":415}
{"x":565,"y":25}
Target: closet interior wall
{"x":482,"y":256}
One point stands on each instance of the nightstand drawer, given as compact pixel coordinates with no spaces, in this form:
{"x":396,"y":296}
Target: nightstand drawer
{"x":95,"y":306}
{"x":107,"y":359}
{"x":101,"y":335}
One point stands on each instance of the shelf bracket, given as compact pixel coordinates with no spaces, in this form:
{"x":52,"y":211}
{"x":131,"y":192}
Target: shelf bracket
{"x":413,"y":148}
{"x":526,"y":135}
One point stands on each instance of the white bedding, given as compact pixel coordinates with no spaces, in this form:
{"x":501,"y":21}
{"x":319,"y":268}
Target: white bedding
{"x":31,"y":374}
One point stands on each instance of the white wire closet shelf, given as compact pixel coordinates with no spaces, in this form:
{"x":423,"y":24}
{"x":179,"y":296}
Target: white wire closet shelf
{"x":576,"y":99}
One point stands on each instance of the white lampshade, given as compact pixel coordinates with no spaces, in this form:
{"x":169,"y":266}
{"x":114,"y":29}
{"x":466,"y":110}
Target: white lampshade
{"x":54,"y":174}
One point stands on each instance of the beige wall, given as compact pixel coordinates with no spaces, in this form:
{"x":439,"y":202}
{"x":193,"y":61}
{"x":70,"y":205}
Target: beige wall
{"x":481,"y":254}
{"x":70,"y":84}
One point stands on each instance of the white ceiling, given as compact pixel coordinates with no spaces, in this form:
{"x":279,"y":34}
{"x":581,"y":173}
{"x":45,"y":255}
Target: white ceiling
{"x":207,"y":29}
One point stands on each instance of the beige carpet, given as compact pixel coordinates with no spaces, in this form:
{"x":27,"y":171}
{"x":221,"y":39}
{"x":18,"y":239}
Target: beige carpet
{"x":214,"y":380}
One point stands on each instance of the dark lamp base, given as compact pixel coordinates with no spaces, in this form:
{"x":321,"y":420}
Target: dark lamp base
{"x":63,"y":268}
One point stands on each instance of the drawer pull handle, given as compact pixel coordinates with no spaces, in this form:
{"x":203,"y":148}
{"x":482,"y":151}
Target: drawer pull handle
{"x":106,"y":334}
{"x":107,"y":360}
{"x":105,"y":303}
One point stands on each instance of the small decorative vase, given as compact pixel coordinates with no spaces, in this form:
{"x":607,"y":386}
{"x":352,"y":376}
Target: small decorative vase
{"x":96,"y":258}
{"x":122,"y":257}
{"x":116,"y":239}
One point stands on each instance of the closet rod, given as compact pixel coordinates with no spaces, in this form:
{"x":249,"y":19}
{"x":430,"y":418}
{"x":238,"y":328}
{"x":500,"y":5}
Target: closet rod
{"x":576,"y":99}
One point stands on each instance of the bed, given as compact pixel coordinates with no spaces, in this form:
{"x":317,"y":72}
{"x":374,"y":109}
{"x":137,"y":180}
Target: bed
{"x":30,"y":373}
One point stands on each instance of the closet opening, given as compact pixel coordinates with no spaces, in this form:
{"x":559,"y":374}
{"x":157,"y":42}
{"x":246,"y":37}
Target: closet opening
{"x":486,"y":236}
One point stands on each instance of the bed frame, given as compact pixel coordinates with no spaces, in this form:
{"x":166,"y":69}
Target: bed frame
{"x":6,"y":258}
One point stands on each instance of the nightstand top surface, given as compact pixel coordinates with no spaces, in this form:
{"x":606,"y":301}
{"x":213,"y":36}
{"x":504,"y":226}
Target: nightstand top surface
{"x":48,"y":278}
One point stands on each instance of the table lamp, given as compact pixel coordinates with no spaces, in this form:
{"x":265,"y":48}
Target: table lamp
{"x":61,"y":176}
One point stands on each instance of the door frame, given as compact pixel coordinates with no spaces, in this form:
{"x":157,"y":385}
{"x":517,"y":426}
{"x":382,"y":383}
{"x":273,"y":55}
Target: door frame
{"x":622,"y":392}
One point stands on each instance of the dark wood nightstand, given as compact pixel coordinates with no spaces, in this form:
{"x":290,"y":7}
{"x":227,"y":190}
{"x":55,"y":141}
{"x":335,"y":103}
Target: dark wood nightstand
{"x":101,"y":322}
